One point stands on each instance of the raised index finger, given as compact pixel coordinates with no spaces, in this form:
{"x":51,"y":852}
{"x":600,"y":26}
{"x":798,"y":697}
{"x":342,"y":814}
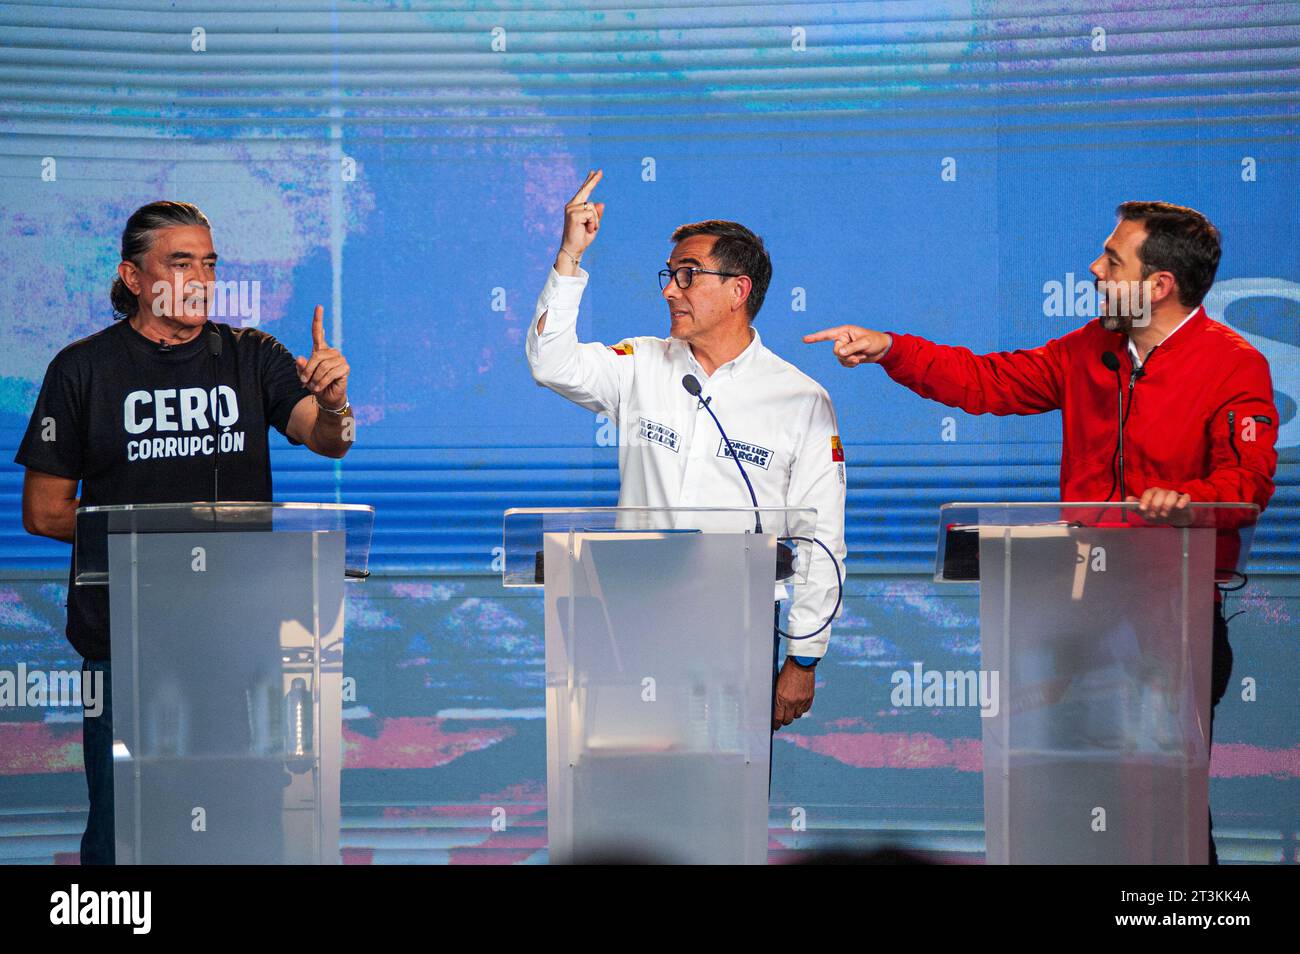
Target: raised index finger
{"x":318,"y":329}
{"x":585,"y":191}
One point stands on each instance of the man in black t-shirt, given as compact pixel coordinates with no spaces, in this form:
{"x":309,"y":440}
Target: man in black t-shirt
{"x":164,"y":406}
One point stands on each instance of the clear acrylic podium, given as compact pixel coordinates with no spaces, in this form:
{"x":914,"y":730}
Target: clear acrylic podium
{"x":1098,"y":624}
{"x":226,"y":625}
{"x":659,"y":643}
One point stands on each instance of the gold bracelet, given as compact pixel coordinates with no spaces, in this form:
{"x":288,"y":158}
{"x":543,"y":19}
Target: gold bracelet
{"x":347,"y":406}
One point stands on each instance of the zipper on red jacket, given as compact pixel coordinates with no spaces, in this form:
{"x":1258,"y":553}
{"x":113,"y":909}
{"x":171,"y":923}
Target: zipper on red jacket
{"x":1128,"y":406}
{"x":1132,"y":380}
{"x":1134,"y":374}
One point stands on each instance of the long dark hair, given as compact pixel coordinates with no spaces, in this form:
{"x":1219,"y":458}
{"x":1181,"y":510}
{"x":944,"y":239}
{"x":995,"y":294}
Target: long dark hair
{"x":138,"y":237}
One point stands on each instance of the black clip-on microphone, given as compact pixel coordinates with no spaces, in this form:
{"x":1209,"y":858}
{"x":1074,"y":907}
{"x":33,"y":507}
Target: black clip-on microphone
{"x":784,"y":552}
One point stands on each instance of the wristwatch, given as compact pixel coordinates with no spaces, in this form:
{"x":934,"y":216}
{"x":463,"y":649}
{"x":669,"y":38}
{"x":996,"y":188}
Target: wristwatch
{"x":806,"y":662}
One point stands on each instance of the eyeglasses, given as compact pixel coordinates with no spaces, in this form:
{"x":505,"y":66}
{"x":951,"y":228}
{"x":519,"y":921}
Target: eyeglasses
{"x":685,"y":274}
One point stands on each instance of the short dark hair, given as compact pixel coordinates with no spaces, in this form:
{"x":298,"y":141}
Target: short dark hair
{"x":138,"y":237}
{"x":737,"y":249}
{"x":1179,"y":240}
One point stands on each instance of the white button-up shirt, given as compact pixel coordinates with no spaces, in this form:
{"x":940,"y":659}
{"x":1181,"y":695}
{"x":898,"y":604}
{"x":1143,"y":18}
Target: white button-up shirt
{"x":779,"y":420}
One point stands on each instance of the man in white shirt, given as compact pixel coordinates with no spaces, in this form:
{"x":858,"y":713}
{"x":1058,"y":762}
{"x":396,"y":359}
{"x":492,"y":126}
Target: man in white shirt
{"x":780,"y":422}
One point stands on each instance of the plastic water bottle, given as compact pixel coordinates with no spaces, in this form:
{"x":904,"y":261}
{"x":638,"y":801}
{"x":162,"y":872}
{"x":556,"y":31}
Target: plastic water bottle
{"x":729,"y":718}
{"x":298,"y":721}
{"x":697,"y":728}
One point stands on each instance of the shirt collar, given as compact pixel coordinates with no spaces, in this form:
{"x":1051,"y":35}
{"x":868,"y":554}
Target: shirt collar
{"x":175,"y":352}
{"x":733,"y":367}
{"x":1132,"y":348}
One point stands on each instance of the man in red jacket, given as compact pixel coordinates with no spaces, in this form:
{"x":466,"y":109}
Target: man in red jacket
{"x":1199,"y":420}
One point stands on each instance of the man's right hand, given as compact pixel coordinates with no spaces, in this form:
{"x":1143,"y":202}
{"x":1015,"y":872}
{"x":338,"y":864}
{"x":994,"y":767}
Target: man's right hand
{"x":854,"y":345}
{"x":581,"y":222}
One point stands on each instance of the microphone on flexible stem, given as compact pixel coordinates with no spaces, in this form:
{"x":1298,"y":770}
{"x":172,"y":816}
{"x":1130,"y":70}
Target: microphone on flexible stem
{"x":784,"y":552}
{"x":1109,"y":359}
{"x":214,"y":349}
{"x":692,"y":386}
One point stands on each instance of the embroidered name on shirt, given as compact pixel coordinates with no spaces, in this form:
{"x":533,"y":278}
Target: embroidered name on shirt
{"x":659,"y":434}
{"x":747,"y":453}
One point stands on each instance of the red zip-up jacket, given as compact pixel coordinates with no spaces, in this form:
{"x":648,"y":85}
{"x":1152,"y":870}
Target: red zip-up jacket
{"x":1200,"y":416}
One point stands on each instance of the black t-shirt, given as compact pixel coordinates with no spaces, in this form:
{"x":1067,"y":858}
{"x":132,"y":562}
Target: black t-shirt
{"x":136,"y":423}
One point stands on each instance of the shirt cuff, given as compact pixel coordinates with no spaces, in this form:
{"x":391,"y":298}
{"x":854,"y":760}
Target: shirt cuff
{"x":561,"y":291}
{"x":894,"y":354}
{"x":812,"y":646}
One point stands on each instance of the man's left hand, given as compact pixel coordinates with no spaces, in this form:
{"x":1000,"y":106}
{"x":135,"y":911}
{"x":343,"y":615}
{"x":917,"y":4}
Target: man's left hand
{"x":794,"y":693}
{"x":1158,"y":503}
{"x":325,"y":373}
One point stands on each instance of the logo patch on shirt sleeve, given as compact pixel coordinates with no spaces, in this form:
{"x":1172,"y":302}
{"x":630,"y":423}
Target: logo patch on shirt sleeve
{"x":837,"y":449}
{"x":748,"y":453}
{"x":623,"y":347}
{"x":658,"y":434}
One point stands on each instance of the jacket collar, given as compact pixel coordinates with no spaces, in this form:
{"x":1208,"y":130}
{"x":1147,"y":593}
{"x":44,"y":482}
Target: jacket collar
{"x":1193,"y":323}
